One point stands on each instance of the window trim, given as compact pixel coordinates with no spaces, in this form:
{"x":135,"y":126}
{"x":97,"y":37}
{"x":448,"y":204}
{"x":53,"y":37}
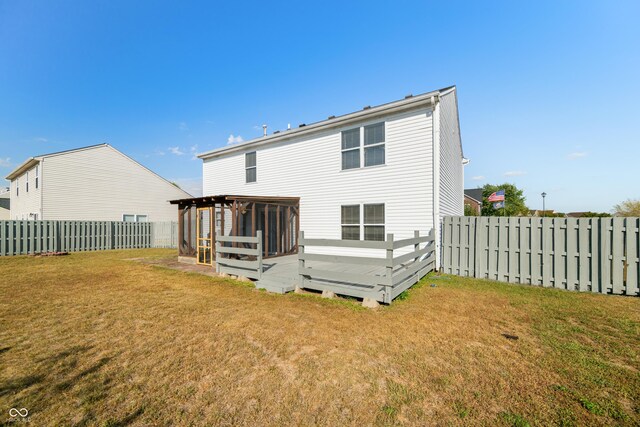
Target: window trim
{"x":361,"y":224}
{"x":255,"y":167}
{"x":358,"y":224}
{"x":383,"y":224}
{"x":362,"y":147}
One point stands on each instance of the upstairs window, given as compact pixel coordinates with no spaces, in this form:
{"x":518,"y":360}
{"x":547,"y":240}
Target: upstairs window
{"x":374,"y":145}
{"x":351,"y":149}
{"x":250,"y":167}
{"x":351,"y":222}
{"x":363,"y":146}
{"x":17,"y":186}
{"x":37,"y":175}
{"x":26,"y":186}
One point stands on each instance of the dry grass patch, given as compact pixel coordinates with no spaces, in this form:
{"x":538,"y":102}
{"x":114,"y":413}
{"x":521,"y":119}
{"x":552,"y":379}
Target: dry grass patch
{"x":95,"y":339}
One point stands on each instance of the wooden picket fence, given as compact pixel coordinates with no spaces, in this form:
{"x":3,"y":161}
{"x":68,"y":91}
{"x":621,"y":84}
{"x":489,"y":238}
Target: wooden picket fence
{"x":582,"y":254}
{"x":33,"y":237}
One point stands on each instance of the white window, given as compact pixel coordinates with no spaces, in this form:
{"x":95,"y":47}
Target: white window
{"x":37,"y":175}
{"x":134,"y":218}
{"x":351,"y":222}
{"x":363,"y":146}
{"x":17,"y":186}
{"x":250,"y":167}
{"x":370,"y":225}
{"x":26,"y":187}
{"x":351,"y":149}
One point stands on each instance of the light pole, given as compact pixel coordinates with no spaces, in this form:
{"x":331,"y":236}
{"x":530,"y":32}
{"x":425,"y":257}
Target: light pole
{"x":544,"y":212}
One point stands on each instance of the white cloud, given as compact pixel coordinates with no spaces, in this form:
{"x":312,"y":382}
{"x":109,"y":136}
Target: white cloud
{"x":192,"y":186}
{"x":5,"y":162}
{"x":478,"y":178}
{"x":176,"y":151}
{"x":183,"y":126}
{"x":194,"y":152}
{"x":234,"y":139}
{"x":40,"y":139}
{"x":577,"y":155}
{"x":515,"y":173}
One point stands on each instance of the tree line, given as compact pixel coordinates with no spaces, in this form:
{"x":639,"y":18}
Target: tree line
{"x":515,"y":205}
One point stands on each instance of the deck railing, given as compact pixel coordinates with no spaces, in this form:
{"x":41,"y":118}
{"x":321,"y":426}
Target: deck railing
{"x":378,"y":278}
{"x":234,"y":257}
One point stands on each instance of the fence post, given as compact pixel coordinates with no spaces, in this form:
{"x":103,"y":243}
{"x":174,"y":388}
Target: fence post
{"x":416,"y":247}
{"x":259,"y":248}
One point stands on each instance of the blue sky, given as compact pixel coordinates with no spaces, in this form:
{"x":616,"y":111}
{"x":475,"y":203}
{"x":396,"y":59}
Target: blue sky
{"x":547,"y":90}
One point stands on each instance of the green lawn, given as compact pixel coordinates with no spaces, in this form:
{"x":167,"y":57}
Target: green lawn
{"x":97,"y":339}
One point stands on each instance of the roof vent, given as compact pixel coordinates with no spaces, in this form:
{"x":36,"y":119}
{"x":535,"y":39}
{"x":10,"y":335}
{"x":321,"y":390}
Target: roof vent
{"x":264,"y":130}
{"x":331,"y":117}
{"x":301,"y":125}
{"x":409,"y":96}
{"x":276,"y":132}
{"x":367,"y":107}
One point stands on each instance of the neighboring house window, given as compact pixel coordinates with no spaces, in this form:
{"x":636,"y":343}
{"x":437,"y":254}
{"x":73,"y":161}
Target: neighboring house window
{"x":372,"y":146}
{"x":250,"y":167}
{"x":134,"y":218}
{"x":17,"y":186}
{"x":351,"y":149}
{"x":351,"y":222}
{"x":374,"y":222}
{"x":27,"y":183}
{"x":37,"y":175}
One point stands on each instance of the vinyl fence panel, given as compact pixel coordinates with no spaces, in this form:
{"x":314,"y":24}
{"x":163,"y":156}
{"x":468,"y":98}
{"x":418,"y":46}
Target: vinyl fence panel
{"x":579,"y":254}
{"x":33,"y":237}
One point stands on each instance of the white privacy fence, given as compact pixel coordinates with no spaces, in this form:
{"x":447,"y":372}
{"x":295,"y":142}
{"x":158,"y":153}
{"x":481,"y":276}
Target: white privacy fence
{"x":33,"y":237}
{"x":583,"y":254}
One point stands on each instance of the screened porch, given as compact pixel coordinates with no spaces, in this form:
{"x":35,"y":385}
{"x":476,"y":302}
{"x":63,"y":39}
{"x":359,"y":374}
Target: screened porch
{"x":202,"y":219}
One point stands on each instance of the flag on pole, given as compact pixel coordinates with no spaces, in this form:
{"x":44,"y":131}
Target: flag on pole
{"x":498,"y":205}
{"x":498,"y":196}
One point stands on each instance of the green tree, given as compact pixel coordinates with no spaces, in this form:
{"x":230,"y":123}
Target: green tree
{"x":470,"y":210}
{"x":514,"y":201}
{"x":595,"y":215}
{"x":627,"y":208}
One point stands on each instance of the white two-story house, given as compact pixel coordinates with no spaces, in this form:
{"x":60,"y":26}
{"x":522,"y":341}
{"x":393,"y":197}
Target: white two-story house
{"x":393,"y":168}
{"x":95,"y":183}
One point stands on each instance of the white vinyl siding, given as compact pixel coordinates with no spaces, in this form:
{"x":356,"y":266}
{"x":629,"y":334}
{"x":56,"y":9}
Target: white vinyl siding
{"x":25,"y":205}
{"x":451,"y":168}
{"x":310,"y":167}
{"x":102,"y":184}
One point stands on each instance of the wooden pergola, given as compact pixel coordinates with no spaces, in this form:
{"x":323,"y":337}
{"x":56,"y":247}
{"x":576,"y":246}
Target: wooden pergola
{"x":201,"y":219}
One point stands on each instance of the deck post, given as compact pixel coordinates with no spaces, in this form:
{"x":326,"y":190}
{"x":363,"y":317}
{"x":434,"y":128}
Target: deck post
{"x":389,"y":268}
{"x":301,"y":258}
{"x":266,"y":230}
{"x":259,"y":256}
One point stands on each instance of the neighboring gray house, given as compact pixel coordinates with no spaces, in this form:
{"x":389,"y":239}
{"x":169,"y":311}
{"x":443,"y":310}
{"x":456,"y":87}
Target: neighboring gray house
{"x":91,"y":183}
{"x":5,"y":202}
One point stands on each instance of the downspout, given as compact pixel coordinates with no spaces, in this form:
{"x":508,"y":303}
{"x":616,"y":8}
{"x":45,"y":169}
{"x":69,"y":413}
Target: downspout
{"x":435,"y":129}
